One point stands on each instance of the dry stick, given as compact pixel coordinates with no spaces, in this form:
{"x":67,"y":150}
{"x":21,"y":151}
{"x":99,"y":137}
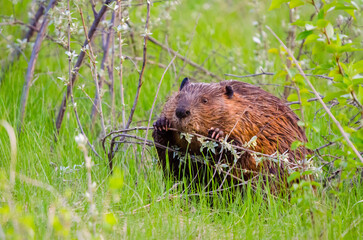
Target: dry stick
{"x":69,"y":77}
{"x":146,"y":37}
{"x":152,"y":108}
{"x":122,"y":136}
{"x":31,"y":64}
{"x":123,"y":111}
{"x":77,"y":66}
{"x":102,"y":68}
{"x":271,"y":74}
{"x":94,"y":73}
{"x":110,"y":69}
{"x":185,"y":59}
{"x":344,"y":134}
{"x":28,"y":35}
{"x":188,"y":49}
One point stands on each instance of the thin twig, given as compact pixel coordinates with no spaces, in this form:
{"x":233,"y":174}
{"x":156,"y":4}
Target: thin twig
{"x":78,"y":64}
{"x":123,"y":110}
{"x":344,"y":134}
{"x":146,"y":37}
{"x":93,"y":62}
{"x":153,"y":40}
{"x":69,"y":77}
{"x":152,"y":107}
{"x":299,"y":102}
{"x":188,"y":49}
{"x":102,"y":68}
{"x":271,"y":74}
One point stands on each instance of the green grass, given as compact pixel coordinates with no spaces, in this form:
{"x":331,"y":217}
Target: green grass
{"x":144,"y":206}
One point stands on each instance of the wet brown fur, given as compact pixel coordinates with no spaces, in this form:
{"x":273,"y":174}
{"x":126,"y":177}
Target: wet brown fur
{"x":249,"y":112}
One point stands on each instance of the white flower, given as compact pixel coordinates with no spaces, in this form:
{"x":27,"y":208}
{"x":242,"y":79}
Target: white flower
{"x":309,"y":27}
{"x":80,"y":139}
{"x":71,"y":55}
{"x":256,"y":40}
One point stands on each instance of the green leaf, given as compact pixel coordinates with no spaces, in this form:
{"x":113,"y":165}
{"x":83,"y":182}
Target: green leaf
{"x":296,"y":3}
{"x":358,"y":67}
{"x":311,"y":38}
{"x":303,"y":35}
{"x":357,"y":81}
{"x":301,"y":23}
{"x":329,"y":30}
{"x":321,"y":14}
{"x":293,"y":176}
{"x":277,"y":4}
{"x":331,"y":95}
{"x":292,"y":97}
{"x":322,"y":23}
{"x":296,"y":144}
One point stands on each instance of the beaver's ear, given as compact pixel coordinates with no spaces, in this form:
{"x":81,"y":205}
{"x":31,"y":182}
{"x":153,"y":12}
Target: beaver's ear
{"x":184,"y":83}
{"x":229,"y":91}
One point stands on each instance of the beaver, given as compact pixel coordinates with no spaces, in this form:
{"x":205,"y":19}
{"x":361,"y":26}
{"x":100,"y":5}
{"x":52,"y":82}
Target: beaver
{"x":235,"y":112}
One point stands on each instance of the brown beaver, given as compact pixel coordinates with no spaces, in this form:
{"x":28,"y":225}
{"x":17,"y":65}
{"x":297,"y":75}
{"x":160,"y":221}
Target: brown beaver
{"x":241,"y":112}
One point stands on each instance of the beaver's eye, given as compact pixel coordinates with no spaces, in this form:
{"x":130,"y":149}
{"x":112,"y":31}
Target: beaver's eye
{"x":204,"y":100}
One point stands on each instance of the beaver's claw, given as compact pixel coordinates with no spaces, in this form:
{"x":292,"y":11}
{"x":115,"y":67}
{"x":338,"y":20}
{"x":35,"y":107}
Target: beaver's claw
{"x":216,"y":134}
{"x":162,"y":124}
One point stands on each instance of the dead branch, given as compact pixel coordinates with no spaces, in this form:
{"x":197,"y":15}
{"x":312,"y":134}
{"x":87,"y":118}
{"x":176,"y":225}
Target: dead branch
{"x":123,"y":106}
{"x":271,"y":74}
{"x":153,"y":40}
{"x":32,"y":62}
{"x":94,"y":74}
{"x":78,"y":64}
{"x":69,"y":77}
{"x":152,"y":107}
{"x":344,"y":134}
{"x":102,"y":68}
{"x":146,"y":37}
{"x":188,"y":49}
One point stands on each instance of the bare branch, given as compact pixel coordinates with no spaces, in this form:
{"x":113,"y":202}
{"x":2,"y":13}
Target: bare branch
{"x":102,"y":68}
{"x":69,"y":77}
{"x":152,"y":107}
{"x":78,"y":64}
{"x":146,"y":37}
{"x":123,"y":110}
{"x":94,"y":73}
{"x":271,"y":74}
{"x":153,"y":40}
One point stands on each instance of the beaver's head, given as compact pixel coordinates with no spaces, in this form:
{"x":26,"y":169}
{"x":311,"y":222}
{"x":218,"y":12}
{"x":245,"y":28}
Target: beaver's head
{"x":200,"y":106}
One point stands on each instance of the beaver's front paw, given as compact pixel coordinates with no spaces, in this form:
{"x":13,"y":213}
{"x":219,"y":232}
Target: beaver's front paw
{"x":162,"y":124}
{"x":216,"y":134}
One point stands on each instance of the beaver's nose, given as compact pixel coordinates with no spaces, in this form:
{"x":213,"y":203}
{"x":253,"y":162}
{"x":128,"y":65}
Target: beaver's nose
{"x":182,"y":112}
